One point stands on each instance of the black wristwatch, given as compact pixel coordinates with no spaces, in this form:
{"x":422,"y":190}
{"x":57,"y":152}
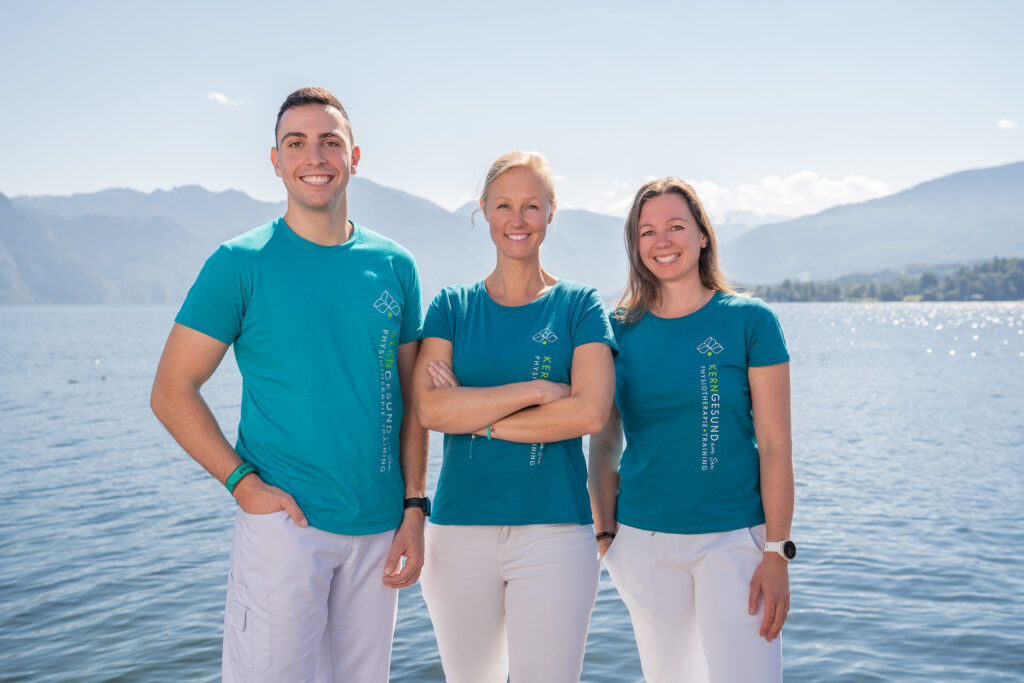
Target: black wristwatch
{"x":421,"y":503}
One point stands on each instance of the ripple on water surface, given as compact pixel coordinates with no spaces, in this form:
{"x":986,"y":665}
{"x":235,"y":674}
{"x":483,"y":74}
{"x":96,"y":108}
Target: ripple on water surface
{"x":909,"y":519}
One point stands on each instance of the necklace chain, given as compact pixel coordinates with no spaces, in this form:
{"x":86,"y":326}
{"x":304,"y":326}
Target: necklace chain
{"x":703,"y":293}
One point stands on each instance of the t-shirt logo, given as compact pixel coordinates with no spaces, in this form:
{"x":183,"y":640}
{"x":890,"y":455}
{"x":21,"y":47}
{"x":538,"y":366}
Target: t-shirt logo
{"x":710,"y":346}
{"x":387,"y":304}
{"x":545,"y":336}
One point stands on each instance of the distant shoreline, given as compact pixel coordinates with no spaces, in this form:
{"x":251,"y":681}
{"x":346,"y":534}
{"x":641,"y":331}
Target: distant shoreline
{"x":1000,"y":279}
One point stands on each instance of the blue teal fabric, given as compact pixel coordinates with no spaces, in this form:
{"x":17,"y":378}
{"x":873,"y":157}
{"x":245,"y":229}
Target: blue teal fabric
{"x":316,"y":331}
{"x":500,"y":482}
{"x":690,"y":465}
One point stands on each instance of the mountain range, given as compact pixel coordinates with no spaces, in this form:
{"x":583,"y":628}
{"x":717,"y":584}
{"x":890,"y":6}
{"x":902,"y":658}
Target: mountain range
{"x":124,"y":246}
{"x":958,"y":218}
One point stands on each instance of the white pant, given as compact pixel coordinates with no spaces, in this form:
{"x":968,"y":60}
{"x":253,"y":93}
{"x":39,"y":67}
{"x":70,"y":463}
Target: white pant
{"x":687,"y":596}
{"x":305,"y":604}
{"x":511,"y":600}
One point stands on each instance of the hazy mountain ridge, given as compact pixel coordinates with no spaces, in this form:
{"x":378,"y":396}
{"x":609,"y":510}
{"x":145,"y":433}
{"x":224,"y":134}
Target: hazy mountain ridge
{"x":214,"y":215}
{"x":966,"y":216}
{"x":735,"y":224}
{"x":124,"y":246}
{"x":95,"y":259}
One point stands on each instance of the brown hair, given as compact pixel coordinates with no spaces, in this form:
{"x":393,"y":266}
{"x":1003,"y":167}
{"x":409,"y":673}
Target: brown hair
{"x":304,"y":96}
{"x":642,"y":288}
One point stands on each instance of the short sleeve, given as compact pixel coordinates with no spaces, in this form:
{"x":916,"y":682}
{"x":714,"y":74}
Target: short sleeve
{"x":439,"y":321}
{"x":592,"y":323}
{"x":216,"y":303}
{"x":412,"y":316}
{"x":767,"y":345}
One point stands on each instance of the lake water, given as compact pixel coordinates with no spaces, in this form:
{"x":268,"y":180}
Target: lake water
{"x":909,"y":451}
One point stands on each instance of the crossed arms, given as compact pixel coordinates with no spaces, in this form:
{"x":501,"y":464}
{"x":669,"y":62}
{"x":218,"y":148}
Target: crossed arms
{"x":525,"y":412}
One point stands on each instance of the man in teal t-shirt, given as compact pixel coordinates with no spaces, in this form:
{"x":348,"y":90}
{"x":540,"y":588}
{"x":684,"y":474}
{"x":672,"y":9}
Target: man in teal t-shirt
{"x":325,"y":320}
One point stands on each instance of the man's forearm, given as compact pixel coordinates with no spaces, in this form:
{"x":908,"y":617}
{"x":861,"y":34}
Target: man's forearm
{"x":413,"y":453}
{"x":191,"y":422}
{"x":412,"y":436}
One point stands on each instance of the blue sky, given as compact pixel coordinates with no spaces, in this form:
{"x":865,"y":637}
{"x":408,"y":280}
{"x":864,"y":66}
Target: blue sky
{"x":784,"y":107}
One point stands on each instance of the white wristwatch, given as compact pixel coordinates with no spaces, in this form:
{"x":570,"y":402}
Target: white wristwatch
{"x":786,"y":549}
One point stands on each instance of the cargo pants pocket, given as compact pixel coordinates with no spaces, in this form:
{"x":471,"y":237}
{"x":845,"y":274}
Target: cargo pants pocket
{"x":247,"y":627}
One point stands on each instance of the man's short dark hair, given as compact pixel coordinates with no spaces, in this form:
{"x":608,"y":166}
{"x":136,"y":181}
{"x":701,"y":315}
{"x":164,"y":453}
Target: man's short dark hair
{"x":310,"y":96}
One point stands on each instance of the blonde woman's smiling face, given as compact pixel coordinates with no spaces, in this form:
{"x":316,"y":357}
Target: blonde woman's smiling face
{"x":518,"y":211}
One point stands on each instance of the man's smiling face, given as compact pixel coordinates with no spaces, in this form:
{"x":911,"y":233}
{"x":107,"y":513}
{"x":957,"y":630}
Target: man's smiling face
{"x":314,"y":156}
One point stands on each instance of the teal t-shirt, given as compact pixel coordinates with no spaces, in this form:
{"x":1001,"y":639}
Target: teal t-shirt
{"x":500,"y":482}
{"x":691,"y":464}
{"x":316,"y":331}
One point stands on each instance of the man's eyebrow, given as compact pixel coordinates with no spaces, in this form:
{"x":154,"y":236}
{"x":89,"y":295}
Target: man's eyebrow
{"x":322,"y":136}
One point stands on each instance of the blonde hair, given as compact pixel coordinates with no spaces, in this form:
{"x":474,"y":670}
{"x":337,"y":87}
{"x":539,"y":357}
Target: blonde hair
{"x":534,"y":161}
{"x":642,"y":287}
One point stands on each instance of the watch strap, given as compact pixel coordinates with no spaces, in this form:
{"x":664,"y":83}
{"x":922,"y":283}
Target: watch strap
{"x":421,"y":503}
{"x":785,"y":549}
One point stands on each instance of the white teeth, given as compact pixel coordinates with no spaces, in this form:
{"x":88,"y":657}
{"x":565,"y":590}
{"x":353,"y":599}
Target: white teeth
{"x":666,"y":259}
{"x":517,"y":236}
{"x":316,"y":179}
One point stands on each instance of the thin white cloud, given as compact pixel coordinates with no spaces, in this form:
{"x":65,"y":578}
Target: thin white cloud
{"x":1007,"y":124}
{"x":801,"y":193}
{"x":615,"y":200}
{"x":221,"y":98}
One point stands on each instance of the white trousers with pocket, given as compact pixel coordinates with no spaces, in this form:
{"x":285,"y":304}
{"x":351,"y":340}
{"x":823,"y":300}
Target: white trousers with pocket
{"x":511,"y":600}
{"x":306,"y":605}
{"x":687,"y":597}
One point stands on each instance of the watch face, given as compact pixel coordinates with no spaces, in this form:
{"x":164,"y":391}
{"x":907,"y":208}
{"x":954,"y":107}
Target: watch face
{"x":789,"y":549}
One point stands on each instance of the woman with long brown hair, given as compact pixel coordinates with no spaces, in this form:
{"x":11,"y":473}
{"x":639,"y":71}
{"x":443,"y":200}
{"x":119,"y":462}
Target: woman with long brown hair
{"x":693,"y":516}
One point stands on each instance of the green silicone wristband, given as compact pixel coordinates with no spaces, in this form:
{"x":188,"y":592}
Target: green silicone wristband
{"x":236,"y":476}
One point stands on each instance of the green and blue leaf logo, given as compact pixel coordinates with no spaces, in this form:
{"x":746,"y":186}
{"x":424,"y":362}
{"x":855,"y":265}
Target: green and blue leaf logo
{"x":545,"y":336}
{"x":387,"y":304}
{"x":710,"y":347}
